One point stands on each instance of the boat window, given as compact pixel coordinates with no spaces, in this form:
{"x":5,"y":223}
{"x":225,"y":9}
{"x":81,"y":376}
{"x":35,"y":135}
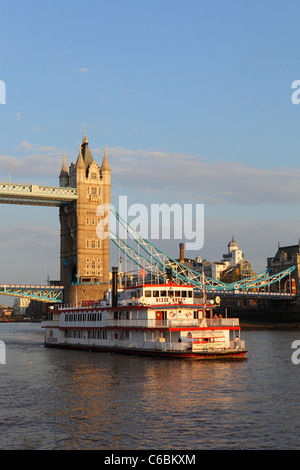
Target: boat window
{"x":155,"y":293}
{"x":115,"y":315}
{"x":183,"y":293}
{"x":177,"y":293}
{"x":147,"y":293}
{"x":170,"y":293}
{"x":190,"y":293}
{"x":163,"y":293}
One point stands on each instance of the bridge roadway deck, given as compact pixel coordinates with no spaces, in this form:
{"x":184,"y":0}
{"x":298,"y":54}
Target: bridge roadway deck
{"x":36,"y":195}
{"x":252,"y":294}
{"x":54,"y":294}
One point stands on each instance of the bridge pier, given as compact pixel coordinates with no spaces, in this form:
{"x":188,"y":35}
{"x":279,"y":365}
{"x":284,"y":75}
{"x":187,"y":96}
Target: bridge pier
{"x":78,"y":293}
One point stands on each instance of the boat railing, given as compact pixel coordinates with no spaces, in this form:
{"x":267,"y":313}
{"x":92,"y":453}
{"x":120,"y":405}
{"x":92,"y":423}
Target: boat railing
{"x":145,"y":323}
{"x":78,"y":305}
{"x":237,"y":344}
{"x":225,"y":322}
{"x":178,"y":323}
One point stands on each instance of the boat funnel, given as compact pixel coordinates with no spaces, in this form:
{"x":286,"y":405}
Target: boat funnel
{"x":114,"y":294}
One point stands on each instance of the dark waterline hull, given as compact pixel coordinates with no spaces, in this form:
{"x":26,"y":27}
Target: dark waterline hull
{"x":230,"y":354}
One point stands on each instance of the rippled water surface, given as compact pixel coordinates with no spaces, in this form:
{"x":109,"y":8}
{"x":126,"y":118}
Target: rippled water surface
{"x":57,"y":399}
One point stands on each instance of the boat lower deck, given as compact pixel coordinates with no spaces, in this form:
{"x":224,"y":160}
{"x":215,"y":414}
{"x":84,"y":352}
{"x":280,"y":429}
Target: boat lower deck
{"x":229,"y":353}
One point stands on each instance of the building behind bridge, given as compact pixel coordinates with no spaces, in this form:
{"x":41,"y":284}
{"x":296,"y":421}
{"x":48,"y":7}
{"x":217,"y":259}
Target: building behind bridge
{"x":286,"y":257}
{"x":231,"y":268}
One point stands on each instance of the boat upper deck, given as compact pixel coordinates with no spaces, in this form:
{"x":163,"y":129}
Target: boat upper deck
{"x":144,"y":294}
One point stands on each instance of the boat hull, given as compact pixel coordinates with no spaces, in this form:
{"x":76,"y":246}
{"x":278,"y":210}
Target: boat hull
{"x":204,"y":355}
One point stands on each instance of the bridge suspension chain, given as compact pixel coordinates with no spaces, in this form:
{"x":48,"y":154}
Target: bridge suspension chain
{"x":179,"y":271}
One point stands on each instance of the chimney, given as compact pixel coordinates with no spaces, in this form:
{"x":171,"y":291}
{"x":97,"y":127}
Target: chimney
{"x":114,"y":293}
{"x":181,"y":247}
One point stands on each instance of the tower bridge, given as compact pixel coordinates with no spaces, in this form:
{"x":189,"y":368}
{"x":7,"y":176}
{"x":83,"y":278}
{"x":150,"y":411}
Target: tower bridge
{"x":84,"y":258}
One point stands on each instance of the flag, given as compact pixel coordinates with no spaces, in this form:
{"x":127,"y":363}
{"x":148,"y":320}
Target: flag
{"x":10,"y":167}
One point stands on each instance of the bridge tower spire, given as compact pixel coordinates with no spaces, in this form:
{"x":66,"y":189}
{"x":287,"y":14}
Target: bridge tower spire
{"x":84,"y":262}
{"x":64,"y":175}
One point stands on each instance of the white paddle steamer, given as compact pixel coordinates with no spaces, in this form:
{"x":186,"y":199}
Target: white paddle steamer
{"x":163,"y":320}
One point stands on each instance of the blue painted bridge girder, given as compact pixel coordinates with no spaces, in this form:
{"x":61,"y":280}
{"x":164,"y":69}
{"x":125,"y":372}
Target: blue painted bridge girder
{"x":49,"y":294}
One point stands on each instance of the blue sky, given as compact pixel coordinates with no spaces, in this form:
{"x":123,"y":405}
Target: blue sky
{"x":191,"y":98}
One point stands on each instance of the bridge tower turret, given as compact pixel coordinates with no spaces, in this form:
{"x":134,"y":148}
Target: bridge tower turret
{"x":64,"y":175}
{"x":84,"y":264}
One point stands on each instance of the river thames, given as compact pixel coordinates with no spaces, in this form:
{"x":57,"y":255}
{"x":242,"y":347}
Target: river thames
{"x":55,"y":399}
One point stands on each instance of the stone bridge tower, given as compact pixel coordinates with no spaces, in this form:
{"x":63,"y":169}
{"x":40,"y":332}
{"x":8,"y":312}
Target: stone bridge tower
{"x":84,"y":258}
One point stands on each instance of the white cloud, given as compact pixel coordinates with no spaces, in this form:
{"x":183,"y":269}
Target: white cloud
{"x":35,"y":161}
{"x":25,"y":147}
{"x":82,"y":69}
{"x":175,"y":176}
{"x":194,"y":177}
